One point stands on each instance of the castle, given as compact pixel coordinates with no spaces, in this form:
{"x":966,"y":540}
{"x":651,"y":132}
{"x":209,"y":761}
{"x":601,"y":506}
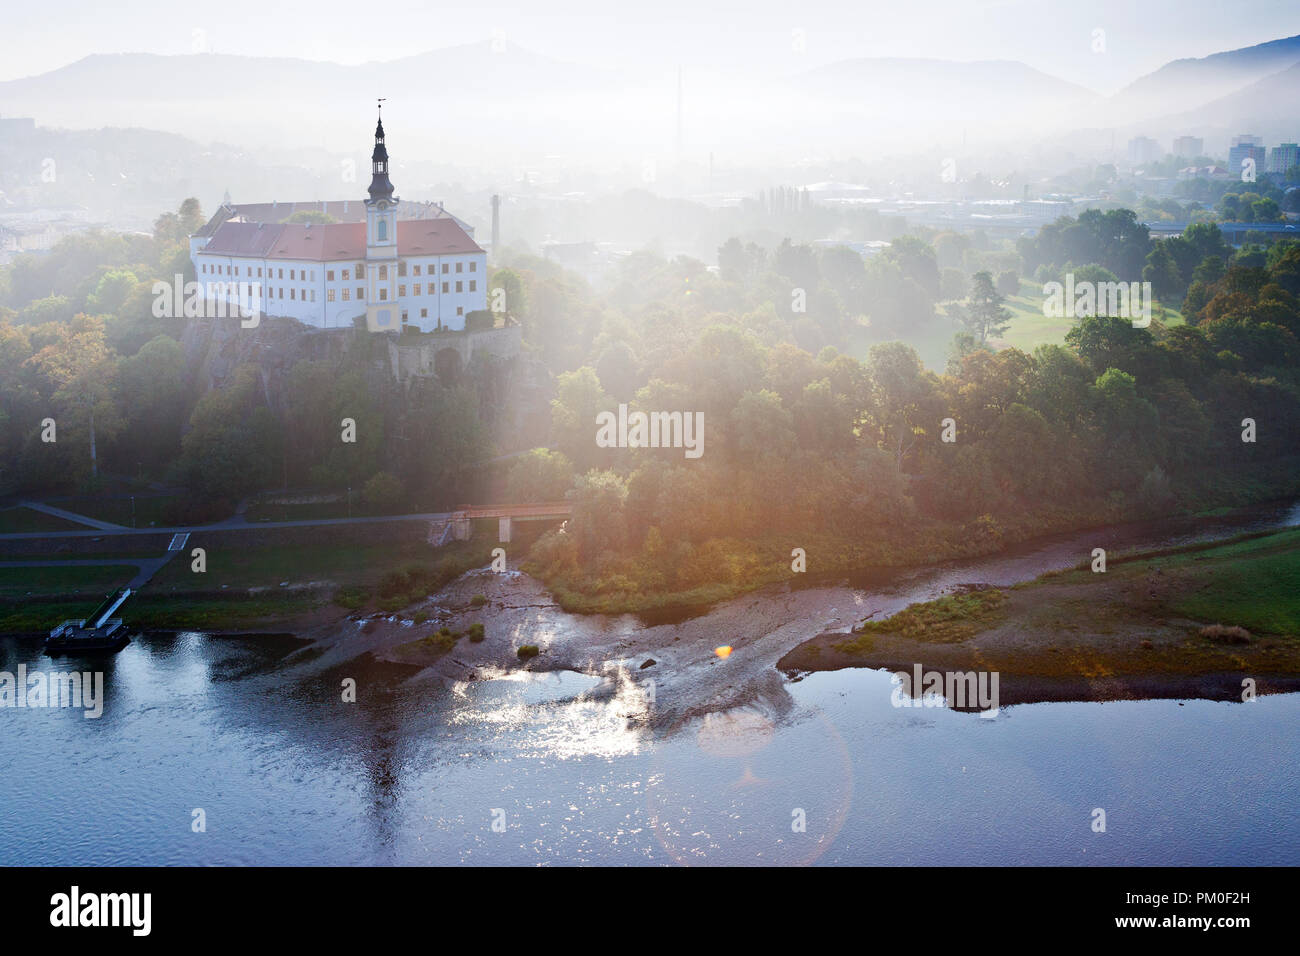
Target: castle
{"x":396,"y":266}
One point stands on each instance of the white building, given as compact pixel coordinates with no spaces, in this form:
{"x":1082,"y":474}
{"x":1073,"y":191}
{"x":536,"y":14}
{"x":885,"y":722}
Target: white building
{"x":425,"y":272}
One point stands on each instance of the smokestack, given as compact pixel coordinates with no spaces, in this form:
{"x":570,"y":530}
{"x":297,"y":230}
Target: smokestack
{"x":496,"y":225}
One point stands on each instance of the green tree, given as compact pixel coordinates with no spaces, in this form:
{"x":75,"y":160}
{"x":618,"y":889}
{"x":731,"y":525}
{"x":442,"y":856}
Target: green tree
{"x":539,"y":475}
{"x":984,"y":314}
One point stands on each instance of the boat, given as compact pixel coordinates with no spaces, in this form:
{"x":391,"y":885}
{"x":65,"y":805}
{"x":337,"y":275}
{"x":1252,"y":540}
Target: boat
{"x":98,"y":632}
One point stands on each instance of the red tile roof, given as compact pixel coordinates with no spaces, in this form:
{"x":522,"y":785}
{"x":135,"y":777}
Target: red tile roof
{"x":243,"y":239}
{"x":335,"y":242}
{"x":352,"y":210}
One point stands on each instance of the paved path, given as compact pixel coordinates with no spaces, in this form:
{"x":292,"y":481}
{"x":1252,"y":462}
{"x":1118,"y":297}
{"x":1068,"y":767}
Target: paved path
{"x":103,"y":529}
{"x":71,"y":516}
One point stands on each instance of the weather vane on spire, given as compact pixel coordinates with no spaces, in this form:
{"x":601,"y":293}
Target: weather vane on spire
{"x":382,"y":100}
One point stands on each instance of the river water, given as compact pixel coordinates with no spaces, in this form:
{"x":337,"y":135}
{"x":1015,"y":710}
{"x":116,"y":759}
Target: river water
{"x":532,"y":768}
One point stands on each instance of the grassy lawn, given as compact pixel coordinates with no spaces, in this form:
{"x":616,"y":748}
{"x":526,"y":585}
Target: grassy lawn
{"x":96,"y":580}
{"x":24,"y":520}
{"x":148,"y":510}
{"x":1254,"y":584}
{"x":239,"y":567}
{"x":1030,"y":328}
{"x":948,"y":620}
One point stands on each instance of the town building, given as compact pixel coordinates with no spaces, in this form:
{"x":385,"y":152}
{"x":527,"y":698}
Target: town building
{"x":1282,"y":157}
{"x":1246,"y":148}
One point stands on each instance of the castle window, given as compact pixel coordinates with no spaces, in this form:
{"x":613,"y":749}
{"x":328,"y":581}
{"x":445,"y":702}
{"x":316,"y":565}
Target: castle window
{"x":361,"y":293}
{"x":383,"y":272}
{"x":473,"y":285}
{"x":293,"y":294}
{"x":416,"y":289}
{"x":329,"y":295}
{"x":424,"y":313}
{"x":417,"y":268}
{"x":444,"y":287}
{"x":361,"y":270}
{"x":383,"y":230}
{"x":460,"y":310}
{"x":458,"y":287}
{"x":291,"y":274}
{"x":401,"y":269}
{"x":329,"y":275}
{"x":383,"y":295}
{"x":460,"y":266}
{"x":444,"y":268}
{"x":281,"y":273}
{"x":346,"y":276}
{"x":346,"y":294}
{"x":401,"y":290}
{"x":473,"y":267}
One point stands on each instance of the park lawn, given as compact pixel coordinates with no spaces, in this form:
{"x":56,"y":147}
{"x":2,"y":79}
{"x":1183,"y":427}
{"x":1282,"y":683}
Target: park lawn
{"x":96,"y":580}
{"x":336,"y":558}
{"x":22,"y":520}
{"x":1030,"y":328}
{"x":148,"y":510}
{"x":235,"y":566}
{"x":1254,"y":584}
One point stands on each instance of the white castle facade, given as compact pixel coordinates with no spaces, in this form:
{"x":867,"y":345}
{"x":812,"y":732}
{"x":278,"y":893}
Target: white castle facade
{"x":394,"y":266}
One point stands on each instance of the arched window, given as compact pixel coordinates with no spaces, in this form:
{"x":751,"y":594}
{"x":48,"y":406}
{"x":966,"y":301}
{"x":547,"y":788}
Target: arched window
{"x":383,"y":230}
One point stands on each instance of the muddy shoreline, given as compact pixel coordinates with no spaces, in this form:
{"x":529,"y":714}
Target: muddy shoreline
{"x":777,"y":633}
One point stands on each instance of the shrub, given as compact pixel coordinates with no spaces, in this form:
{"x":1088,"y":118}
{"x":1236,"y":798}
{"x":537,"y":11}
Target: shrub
{"x":478,"y":600}
{"x":476,"y":633}
{"x":528,"y":651}
{"x":1221,"y":634}
{"x":382,"y":492}
{"x":392,"y":584}
{"x":1155,"y":490}
{"x":351,"y":597}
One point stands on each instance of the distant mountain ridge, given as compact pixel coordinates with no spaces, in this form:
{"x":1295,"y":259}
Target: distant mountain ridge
{"x":1183,"y":85}
{"x":486,"y":99}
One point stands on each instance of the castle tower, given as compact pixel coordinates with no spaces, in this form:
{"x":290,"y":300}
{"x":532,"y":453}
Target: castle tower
{"x":383,"y":312}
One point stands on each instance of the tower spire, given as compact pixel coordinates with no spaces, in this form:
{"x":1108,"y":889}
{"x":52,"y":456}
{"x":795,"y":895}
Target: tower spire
{"x":380,"y":186}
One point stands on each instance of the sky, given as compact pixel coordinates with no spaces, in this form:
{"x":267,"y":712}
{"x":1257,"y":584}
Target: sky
{"x":1055,"y":36}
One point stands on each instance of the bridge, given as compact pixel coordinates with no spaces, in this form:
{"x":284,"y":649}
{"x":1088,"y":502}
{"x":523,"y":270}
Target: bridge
{"x":458,"y":526}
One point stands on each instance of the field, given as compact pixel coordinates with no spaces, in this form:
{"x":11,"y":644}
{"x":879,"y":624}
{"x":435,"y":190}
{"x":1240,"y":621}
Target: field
{"x":1231,"y":608}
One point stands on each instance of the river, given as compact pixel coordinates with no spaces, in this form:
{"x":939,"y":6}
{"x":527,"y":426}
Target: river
{"x":560,"y":768}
